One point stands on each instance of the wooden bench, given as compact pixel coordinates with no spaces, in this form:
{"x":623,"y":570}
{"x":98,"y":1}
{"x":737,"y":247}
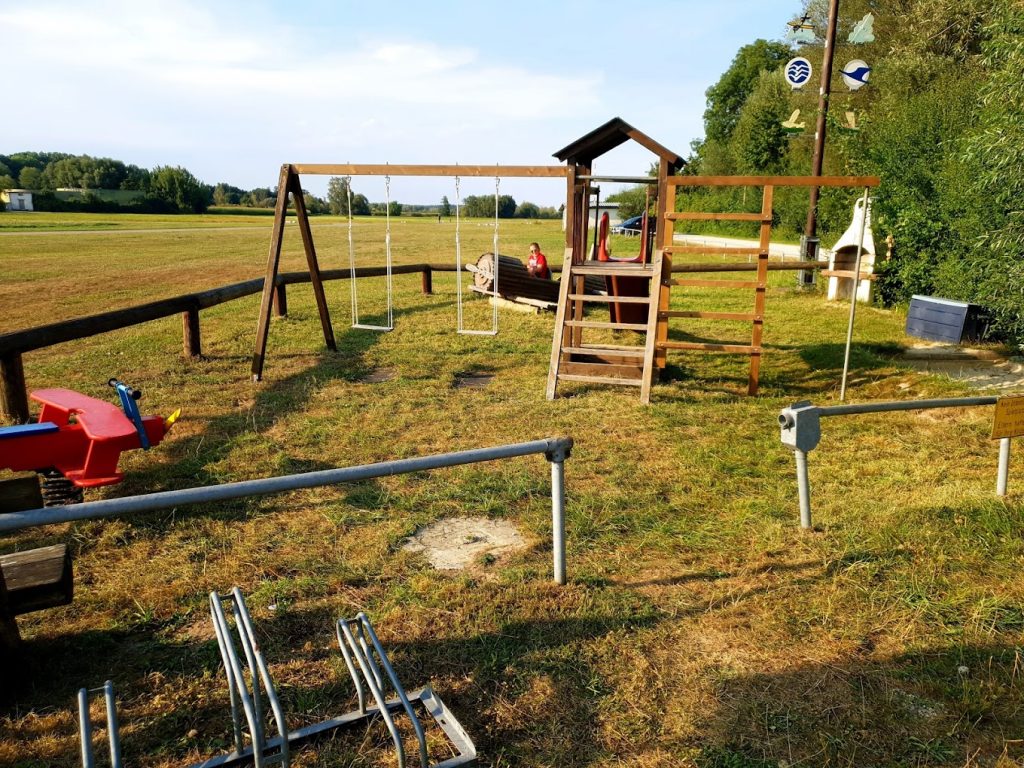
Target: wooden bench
{"x":33,"y":579}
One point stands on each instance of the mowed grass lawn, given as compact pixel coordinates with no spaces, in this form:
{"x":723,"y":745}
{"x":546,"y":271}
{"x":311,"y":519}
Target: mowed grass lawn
{"x":700,"y":625}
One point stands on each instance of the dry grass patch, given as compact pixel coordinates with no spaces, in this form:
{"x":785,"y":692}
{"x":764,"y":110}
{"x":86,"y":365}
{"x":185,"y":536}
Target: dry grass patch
{"x":700,"y":627}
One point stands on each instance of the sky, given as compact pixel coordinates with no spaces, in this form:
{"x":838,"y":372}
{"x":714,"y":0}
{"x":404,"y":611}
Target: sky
{"x":232,"y":90}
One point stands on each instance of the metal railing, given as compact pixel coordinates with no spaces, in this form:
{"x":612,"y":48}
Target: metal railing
{"x":555,"y":449}
{"x":801,"y":431}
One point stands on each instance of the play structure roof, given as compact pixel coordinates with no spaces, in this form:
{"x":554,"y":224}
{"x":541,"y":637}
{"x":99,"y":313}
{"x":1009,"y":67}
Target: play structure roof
{"x":610,"y":135}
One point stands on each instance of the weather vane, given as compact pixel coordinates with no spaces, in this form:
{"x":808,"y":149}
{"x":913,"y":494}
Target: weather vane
{"x":801,"y":30}
{"x":863,"y":31}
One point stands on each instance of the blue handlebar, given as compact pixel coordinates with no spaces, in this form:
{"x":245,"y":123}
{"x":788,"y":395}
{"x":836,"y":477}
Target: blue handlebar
{"x":128,"y":397}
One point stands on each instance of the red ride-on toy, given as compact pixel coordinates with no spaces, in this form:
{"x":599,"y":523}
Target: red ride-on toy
{"x":78,"y":440}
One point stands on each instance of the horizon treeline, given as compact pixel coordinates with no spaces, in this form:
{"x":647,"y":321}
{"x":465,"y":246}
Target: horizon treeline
{"x":940,"y":121}
{"x":173,"y":189}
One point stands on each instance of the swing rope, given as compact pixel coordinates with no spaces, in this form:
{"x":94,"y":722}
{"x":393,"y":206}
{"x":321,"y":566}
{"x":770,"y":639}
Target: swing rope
{"x":352,"y":260}
{"x":458,"y":264}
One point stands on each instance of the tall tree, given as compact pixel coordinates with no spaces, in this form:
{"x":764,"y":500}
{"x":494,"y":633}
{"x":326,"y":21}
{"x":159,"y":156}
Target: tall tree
{"x":180,"y":188}
{"x":29,"y":177}
{"x":727,"y":97}
{"x":759,"y":141}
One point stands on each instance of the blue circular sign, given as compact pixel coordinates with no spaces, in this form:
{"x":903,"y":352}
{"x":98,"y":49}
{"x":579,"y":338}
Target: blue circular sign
{"x":798,"y":71}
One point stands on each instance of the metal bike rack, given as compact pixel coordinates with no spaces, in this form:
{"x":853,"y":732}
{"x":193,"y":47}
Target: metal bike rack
{"x":251,"y":690}
{"x":248,"y":696}
{"x":85,"y":726}
{"x":801,"y":431}
{"x":366,"y":660}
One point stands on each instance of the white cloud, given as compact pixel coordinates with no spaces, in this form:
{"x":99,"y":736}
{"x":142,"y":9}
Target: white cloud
{"x":175,"y":75}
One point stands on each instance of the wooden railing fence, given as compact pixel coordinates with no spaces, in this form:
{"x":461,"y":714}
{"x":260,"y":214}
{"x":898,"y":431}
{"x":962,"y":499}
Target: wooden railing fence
{"x":13,"y":392}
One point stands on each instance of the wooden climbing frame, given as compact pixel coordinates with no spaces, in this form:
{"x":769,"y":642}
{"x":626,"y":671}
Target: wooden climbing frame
{"x":666,"y":227}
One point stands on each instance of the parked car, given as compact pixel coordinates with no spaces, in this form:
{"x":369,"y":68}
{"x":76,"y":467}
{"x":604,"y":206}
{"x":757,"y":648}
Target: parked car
{"x":631,"y":226}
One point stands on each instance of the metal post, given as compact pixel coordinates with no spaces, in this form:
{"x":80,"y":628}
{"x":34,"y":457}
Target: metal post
{"x":803,"y":485}
{"x":558,"y":519}
{"x":853,"y":298}
{"x":85,"y":728}
{"x":1004,"y":466}
{"x":113,"y":732}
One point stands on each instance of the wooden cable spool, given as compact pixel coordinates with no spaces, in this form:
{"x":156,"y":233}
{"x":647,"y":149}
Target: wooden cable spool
{"x":514,"y":281}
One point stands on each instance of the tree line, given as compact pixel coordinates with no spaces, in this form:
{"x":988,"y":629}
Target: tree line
{"x":161,"y":189}
{"x":168,"y":189}
{"x":340,"y":196}
{"x":941,"y":121}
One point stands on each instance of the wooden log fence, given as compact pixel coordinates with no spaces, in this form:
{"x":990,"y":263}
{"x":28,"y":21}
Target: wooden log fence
{"x":14,"y":394}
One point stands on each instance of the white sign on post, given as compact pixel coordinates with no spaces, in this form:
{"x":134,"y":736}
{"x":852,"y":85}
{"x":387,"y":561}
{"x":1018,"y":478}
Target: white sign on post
{"x":798,"y":72}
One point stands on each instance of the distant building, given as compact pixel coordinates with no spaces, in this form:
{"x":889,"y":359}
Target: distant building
{"x":17,"y":199}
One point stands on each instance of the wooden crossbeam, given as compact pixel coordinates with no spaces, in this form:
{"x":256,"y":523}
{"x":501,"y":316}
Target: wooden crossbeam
{"x":350,"y":169}
{"x":709,"y":216}
{"x":606,"y":269}
{"x":715,"y":250}
{"x":748,"y":317}
{"x":772,"y":181}
{"x":694,"y":283}
{"x":600,"y":379}
{"x":847,"y":273}
{"x":611,"y":350}
{"x":739,"y":349}
{"x":609,"y":326}
{"x":609,"y":299}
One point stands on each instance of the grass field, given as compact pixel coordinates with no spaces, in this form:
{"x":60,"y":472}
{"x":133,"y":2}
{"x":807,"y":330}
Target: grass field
{"x":700,"y":626}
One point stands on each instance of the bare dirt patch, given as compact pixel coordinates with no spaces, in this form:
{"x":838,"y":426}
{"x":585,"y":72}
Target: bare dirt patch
{"x":378,"y":376}
{"x":472,"y":380}
{"x":977,"y":368}
{"x":458,"y":542}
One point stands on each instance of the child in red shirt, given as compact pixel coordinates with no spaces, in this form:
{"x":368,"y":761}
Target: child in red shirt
{"x":537,"y":264}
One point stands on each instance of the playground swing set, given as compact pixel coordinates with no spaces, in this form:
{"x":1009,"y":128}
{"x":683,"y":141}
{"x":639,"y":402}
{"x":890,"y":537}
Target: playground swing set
{"x":290,"y":182}
{"x":637,"y":291}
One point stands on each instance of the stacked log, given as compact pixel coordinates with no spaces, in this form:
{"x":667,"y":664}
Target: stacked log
{"x":514,"y":281}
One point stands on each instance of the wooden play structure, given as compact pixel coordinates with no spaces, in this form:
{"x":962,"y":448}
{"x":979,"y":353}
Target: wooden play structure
{"x":575,"y":358}
{"x":637,"y":293}
{"x":580,"y":188}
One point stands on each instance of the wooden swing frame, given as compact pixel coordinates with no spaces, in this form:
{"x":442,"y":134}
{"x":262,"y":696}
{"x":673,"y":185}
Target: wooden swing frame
{"x":290,"y":183}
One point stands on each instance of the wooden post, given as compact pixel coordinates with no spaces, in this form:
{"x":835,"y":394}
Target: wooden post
{"x":761,"y":290}
{"x":273,"y":260}
{"x":280,"y":300}
{"x":428,"y":280}
{"x":190,"y":333}
{"x":664,"y":239}
{"x":302,"y":219}
{"x":582,"y":215}
{"x":13,"y":395}
{"x":20,"y":493}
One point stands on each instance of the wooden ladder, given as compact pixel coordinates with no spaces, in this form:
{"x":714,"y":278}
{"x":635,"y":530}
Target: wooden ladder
{"x":572,"y":359}
{"x":759,"y":286}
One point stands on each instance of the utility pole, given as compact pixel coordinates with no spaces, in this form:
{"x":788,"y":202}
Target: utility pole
{"x":811,"y":230}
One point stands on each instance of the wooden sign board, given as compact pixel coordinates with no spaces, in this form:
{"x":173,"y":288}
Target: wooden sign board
{"x":1009,"y":417}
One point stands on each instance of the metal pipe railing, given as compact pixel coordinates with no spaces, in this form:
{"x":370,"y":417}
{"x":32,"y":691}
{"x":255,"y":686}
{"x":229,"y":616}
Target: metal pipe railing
{"x":801,"y":431}
{"x":555,"y":449}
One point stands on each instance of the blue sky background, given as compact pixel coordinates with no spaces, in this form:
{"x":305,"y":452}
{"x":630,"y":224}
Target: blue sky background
{"x":232,"y":90}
